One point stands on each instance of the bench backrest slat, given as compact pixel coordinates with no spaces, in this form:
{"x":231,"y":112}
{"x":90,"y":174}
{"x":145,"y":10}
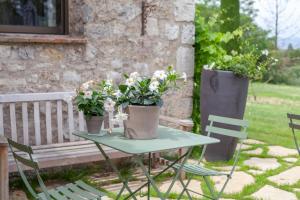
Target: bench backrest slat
{"x":60,"y":122}
{"x":13,"y":121}
{"x":37,"y":123}
{"x":31,"y":97}
{"x":48,"y":122}
{"x":25,"y":123}
{"x":38,"y":120}
{"x":71,"y":121}
{"x":81,"y":121}
{"x":1,"y":120}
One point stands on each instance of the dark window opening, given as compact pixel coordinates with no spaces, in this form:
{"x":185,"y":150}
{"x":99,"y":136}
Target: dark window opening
{"x":34,"y":16}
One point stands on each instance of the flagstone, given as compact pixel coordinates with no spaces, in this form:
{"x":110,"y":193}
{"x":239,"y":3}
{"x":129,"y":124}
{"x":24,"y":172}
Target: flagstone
{"x":263,"y":163}
{"x":297,"y":189}
{"x":289,"y":177}
{"x":271,"y":193}
{"x":281,"y":151}
{"x":194,"y":185}
{"x":226,"y":168}
{"x":257,"y":151}
{"x":244,"y":146}
{"x":236,"y":184}
{"x":251,"y":141}
{"x":255,"y":172}
{"x":290,"y":160}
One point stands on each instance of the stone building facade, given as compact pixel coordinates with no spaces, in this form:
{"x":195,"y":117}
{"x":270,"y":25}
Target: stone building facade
{"x":112,"y":44}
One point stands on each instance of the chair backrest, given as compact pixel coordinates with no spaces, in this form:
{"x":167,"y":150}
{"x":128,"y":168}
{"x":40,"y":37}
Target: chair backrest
{"x":23,"y":154}
{"x":293,"y":119}
{"x":294,"y":124}
{"x":241,"y":124}
{"x":40,"y":118}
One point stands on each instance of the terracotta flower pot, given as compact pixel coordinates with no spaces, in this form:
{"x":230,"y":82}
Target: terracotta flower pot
{"x":142,"y":122}
{"x":94,"y":124}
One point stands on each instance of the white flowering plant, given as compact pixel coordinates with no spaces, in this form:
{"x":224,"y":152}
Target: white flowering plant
{"x":251,"y":64}
{"x":147,"y":91}
{"x":92,"y":96}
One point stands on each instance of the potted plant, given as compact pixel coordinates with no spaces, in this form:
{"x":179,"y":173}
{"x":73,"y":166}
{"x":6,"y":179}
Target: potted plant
{"x":224,"y":89}
{"x":141,"y":97}
{"x":91,"y":100}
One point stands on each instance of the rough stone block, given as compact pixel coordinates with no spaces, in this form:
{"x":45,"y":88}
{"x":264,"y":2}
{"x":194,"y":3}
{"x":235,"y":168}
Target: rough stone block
{"x":188,"y":34}
{"x":184,"y":10}
{"x":71,"y":76}
{"x":185,"y":60}
{"x":5,"y":51}
{"x":171,"y":31}
{"x":152,"y":27}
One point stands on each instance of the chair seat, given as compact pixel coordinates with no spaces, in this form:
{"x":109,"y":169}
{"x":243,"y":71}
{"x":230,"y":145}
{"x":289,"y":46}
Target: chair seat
{"x":75,"y":191}
{"x":200,"y":170}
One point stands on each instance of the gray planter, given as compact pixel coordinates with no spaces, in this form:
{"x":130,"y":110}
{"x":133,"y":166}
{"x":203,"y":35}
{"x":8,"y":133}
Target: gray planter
{"x":94,"y":124}
{"x":142,"y":122}
{"x":224,"y":94}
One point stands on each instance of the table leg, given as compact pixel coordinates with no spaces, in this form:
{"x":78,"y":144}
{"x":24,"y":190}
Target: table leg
{"x":151,"y":179}
{"x":125,"y":182}
{"x":157,"y":175}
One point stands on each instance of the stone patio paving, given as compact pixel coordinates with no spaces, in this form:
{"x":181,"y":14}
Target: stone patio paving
{"x":264,"y":172}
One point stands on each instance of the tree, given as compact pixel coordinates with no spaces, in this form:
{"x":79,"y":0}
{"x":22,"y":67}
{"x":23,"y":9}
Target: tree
{"x":231,"y":16}
{"x":280,"y":18}
{"x":247,"y":8}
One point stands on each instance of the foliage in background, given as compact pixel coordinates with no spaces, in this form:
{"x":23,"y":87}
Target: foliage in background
{"x":209,"y":46}
{"x":286,"y":71}
{"x":230,"y":14}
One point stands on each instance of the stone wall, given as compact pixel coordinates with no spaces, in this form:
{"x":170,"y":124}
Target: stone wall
{"x":114,"y":46}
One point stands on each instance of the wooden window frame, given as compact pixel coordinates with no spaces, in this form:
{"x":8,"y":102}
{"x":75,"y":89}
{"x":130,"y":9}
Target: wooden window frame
{"x":62,"y":29}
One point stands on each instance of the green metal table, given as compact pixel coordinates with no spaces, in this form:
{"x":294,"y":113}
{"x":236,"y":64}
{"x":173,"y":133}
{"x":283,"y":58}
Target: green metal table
{"x":168,"y":138}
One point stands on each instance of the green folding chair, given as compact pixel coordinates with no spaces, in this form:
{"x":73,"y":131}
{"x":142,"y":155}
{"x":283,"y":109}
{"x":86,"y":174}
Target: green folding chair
{"x":75,"y":191}
{"x":199,"y":170}
{"x":294,"y":126}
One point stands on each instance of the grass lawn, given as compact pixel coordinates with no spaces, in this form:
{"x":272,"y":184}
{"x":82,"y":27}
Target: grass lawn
{"x":267,"y":114}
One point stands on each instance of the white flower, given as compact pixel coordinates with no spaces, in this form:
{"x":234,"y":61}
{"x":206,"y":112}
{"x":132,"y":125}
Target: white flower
{"x":160,"y":75}
{"x":118,"y":93}
{"x":109,"y":105}
{"x":153,"y":86}
{"x":130,"y":82}
{"x":121,"y":116}
{"x":86,"y":86}
{"x":88,"y":94}
{"x":276,"y":60}
{"x":265,"y":52}
{"x":134,"y":75}
{"x":184,"y":77}
{"x":209,"y":67}
{"x":109,"y":82}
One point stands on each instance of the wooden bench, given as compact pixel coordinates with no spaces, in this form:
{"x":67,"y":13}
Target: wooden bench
{"x":46,"y":122}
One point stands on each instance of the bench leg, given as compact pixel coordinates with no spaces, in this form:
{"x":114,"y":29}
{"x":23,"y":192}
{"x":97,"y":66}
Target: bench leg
{"x":4,"y":189}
